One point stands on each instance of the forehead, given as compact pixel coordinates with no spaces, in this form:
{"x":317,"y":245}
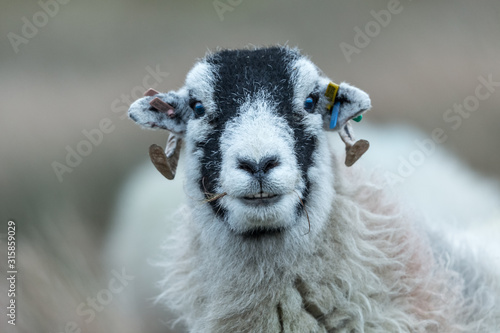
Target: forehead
{"x":246,"y":72}
{"x":227,"y":78}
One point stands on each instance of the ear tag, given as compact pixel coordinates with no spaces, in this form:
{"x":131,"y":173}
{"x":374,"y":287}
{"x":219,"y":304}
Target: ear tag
{"x":358,"y":118}
{"x":166,"y":160}
{"x":151,"y":92}
{"x":161,"y":106}
{"x":331,"y":93}
{"x":335,"y":115}
{"x":354,"y":149}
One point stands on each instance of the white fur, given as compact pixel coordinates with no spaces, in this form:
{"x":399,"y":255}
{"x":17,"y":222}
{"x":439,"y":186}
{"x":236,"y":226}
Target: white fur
{"x":305,"y":76}
{"x":148,"y":197}
{"x":369,"y":270}
{"x":256,"y":134}
{"x":200,"y":80}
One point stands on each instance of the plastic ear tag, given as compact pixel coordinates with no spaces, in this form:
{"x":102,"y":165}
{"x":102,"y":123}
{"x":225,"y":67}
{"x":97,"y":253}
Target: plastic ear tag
{"x":331,"y":94}
{"x":161,"y":106}
{"x":331,"y":91}
{"x":358,"y":118}
{"x":335,"y":115}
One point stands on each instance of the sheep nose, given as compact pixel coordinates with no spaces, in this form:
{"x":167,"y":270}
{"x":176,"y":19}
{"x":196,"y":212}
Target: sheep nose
{"x":260,"y":169}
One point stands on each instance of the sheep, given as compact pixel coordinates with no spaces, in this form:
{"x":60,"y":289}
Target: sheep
{"x":279,"y":235}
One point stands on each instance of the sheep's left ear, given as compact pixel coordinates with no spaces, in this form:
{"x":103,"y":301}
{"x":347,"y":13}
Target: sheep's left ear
{"x":168,"y":111}
{"x":341,"y":103}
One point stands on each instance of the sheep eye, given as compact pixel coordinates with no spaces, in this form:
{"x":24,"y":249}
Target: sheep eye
{"x":199,"y":109}
{"x":309,"y":104}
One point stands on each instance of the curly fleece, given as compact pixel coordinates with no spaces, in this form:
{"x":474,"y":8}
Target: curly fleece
{"x":370,"y":270}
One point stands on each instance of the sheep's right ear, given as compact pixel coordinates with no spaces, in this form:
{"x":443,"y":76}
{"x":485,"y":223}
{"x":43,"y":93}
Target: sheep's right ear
{"x":169,"y":111}
{"x":343,"y":103}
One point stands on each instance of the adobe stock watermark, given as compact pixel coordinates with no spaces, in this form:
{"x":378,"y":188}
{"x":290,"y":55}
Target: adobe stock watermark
{"x":454,"y":118}
{"x":88,"y":310}
{"x":40,"y":19}
{"x":94,"y":137}
{"x":372,"y":29}
{"x":11,"y":272}
{"x":470,"y":104}
{"x":223,"y":6}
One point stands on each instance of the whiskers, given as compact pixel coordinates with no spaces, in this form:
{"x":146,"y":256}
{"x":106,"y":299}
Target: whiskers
{"x":305,"y":210}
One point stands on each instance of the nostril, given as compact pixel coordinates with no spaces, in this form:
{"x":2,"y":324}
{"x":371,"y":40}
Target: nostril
{"x":268,"y":164}
{"x":263,"y":167}
{"x":248,"y":166}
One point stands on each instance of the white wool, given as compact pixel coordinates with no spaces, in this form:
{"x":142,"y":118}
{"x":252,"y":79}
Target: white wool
{"x":147,"y":199}
{"x":370,"y":270}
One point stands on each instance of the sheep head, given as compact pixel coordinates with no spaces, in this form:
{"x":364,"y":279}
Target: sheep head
{"x":254,"y":124}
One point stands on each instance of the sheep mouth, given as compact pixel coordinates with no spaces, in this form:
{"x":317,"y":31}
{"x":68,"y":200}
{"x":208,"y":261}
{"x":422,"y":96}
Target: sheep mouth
{"x":262,"y":198}
{"x":262,"y":232}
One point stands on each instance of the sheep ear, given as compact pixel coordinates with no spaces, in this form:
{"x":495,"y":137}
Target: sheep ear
{"x":342,"y":103}
{"x":169,"y":111}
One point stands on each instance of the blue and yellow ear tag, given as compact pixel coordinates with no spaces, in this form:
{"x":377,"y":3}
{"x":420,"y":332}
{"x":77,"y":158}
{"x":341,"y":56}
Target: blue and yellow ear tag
{"x":334,"y":107}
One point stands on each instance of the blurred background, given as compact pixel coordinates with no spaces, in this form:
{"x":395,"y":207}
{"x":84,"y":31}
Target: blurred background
{"x":69,"y":70}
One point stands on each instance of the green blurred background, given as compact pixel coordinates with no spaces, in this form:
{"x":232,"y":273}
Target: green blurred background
{"x":67,"y":77}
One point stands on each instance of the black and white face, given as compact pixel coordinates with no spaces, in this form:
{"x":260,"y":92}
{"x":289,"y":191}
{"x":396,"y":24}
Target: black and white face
{"x":253,"y":122}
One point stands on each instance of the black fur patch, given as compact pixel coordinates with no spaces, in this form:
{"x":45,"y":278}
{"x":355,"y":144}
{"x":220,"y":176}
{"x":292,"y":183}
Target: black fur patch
{"x":240,"y":73}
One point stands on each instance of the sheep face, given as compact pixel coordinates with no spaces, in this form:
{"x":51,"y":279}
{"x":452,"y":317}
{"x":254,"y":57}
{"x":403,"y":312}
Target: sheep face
{"x":253,"y":122}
